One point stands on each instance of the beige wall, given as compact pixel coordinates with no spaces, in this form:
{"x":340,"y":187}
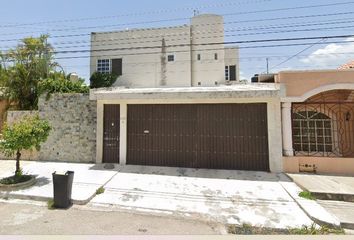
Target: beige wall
{"x":327,"y":165}
{"x":232,"y":58}
{"x":299,"y":83}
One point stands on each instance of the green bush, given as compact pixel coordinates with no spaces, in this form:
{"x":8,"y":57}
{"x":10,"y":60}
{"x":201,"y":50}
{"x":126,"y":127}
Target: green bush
{"x":99,"y":80}
{"x":58,"y":83}
{"x":17,"y":178}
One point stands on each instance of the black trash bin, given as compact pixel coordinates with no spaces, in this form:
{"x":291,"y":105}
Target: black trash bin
{"x":62,"y":186}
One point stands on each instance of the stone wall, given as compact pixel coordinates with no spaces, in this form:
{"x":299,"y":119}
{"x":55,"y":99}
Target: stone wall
{"x":73,"y":121}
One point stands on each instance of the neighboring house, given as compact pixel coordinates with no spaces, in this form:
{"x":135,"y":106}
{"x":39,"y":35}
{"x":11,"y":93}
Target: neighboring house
{"x":348,"y":65}
{"x":181,"y":56}
{"x":317,"y":120}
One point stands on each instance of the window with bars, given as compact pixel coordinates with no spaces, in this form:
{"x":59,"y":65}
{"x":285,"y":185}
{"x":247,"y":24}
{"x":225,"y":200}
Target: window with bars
{"x":230,"y":73}
{"x":103,"y":66}
{"x":312,"y":132}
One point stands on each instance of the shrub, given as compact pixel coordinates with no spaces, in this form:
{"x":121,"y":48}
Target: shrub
{"x":58,"y":83}
{"x":98,"y":80}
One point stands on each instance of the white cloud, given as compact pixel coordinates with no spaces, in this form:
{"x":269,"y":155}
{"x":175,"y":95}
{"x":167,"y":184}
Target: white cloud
{"x":242,"y":75}
{"x":332,"y":54}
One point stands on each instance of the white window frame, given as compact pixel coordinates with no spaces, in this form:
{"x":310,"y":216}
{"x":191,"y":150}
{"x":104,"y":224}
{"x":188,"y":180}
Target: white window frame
{"x":227,"y":73}
{"x":174,"y":57}
{"x":109,"y":66}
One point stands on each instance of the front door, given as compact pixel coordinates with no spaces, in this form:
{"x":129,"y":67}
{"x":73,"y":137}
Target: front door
{"x":111,"y":133}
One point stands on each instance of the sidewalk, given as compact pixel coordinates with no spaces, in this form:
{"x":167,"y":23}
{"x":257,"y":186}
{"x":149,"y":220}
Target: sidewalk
{"x":87,"y":179}
{"x":225,"y":196}
{"x":325,"y":187}
{"x":335,"y":194}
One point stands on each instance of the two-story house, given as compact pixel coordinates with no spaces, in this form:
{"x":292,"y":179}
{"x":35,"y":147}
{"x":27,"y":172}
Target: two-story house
{"x":178,"y":101}
{"x":180,"y":56}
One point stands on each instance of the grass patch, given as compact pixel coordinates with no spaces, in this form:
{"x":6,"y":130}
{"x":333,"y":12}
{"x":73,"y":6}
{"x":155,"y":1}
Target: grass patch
{"x":15,"y":179}
{"x":100,"y":190}
{"x":307,"y":195}
{"x":313,"y":230}
{"x":247,"y":229}
{"x":50,"y":204}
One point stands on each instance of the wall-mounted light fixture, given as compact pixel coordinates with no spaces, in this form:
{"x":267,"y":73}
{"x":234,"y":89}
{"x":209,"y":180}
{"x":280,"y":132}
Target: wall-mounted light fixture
{"x":348,"y":116}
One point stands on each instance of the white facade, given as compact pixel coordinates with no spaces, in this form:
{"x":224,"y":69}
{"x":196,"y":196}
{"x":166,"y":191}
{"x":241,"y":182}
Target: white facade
{"x":181,"y":56}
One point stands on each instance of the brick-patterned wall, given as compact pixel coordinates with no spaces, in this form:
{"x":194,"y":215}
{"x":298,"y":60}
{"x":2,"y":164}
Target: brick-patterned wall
{"x":73,"y":121}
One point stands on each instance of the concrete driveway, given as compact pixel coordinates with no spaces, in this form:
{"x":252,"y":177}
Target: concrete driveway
{"x":233,"y":197}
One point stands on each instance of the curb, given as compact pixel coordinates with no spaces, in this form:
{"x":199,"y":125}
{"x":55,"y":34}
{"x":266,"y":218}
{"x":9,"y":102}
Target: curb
{"x":311,"y":208}
{"x":17,"y":186}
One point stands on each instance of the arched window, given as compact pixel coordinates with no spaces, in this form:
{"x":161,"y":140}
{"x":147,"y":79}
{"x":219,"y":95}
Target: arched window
{"x":312,"y":132}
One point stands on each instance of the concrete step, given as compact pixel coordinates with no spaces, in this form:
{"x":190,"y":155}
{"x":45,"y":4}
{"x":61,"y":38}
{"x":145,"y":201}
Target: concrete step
{"x":325,"y":187}
{"x":344,"y":211}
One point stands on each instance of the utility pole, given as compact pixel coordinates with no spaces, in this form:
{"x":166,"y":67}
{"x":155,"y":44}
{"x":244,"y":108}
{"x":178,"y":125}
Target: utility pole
{"x":46,"y":56}
{"x":267,"y":59}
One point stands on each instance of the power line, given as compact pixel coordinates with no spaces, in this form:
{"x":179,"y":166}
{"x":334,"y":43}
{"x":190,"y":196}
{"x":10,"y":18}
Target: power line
{"x":262,"y":27}
{"x":237,"y":13}
{"x":296,"y":54}
{"x":179,"y":51}
{"x":218,"y":43}
{"x":146,"y":13}
{"x":227,"y":35}
{"x":202,"y":24}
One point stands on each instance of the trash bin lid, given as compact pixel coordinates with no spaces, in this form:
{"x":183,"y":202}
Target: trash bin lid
{"x":59,"y":173}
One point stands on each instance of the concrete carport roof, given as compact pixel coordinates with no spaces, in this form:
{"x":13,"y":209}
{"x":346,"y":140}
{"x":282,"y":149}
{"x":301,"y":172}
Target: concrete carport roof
{"x":240,"y":91}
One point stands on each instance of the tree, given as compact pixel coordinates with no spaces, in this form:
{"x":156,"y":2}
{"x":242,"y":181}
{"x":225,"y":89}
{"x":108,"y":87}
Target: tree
{"x":25,"y":134}
{"x":23,"y":67}
{"x":98,"y":80}
{"x":59,"y":83}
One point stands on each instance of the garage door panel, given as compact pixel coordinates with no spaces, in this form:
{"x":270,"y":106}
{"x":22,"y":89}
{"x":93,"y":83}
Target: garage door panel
{"x":223,"y":136}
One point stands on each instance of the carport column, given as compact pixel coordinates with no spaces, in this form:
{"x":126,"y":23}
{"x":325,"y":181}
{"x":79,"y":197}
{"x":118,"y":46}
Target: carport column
{"x":274,"y":136}
{"x":287,"y":129}
{"x":123,"y":134}
{"x":99,"y":132}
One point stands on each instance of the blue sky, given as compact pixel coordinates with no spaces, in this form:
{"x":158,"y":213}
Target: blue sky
{"x":30,"y":18}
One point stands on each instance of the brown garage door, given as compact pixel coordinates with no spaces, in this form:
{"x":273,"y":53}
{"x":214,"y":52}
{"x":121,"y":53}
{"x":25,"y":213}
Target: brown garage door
{"x":220,"y":136}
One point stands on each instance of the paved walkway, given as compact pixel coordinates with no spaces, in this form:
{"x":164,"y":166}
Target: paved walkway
{"x":326,"y":187}
{"x":87,"y":179}
{"x":336,"y":192}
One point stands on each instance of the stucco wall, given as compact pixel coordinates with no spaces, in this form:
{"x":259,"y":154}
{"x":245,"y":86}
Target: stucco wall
{"x":327,"y":165}
{"x":300,"y":82}
{"x":73,"y":121}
